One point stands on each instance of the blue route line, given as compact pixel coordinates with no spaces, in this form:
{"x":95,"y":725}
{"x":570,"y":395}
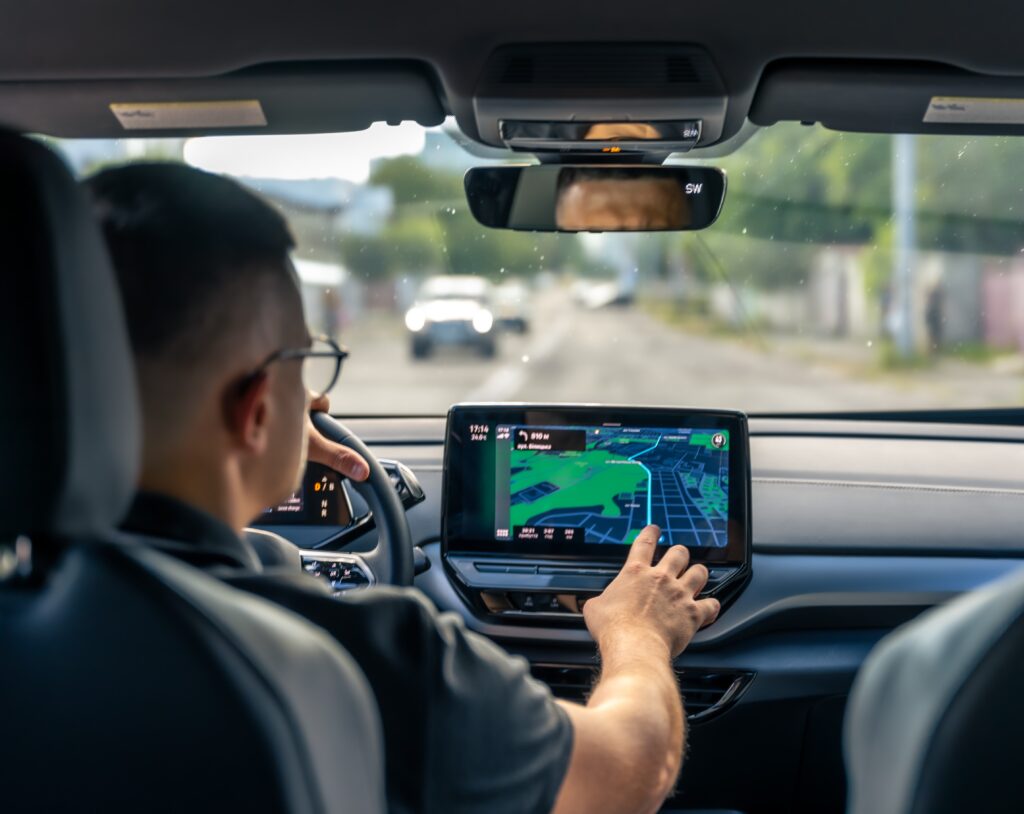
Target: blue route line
{"x":650,"y":477}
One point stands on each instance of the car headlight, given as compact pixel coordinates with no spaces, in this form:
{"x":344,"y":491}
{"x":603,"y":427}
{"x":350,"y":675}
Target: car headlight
{"x":483,"y":321}
{"x":415,"y":319}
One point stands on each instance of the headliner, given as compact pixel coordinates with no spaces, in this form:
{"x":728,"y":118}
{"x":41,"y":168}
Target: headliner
{"x":133,"y":39}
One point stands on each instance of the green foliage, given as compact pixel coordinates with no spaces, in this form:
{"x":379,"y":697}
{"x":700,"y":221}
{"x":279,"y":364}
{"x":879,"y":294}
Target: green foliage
{"x":878,"y":260}
{"x":368,"y":256}
{"x":432,"y":231}
{"x":414,"y":244}
{"x":795,"y":183}
{"x":750,"y":262}
{"x":792,"y":189}
{"x":413,"y":182}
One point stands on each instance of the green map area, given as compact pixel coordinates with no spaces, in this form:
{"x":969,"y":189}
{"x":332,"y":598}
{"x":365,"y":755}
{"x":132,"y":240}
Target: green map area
{"x":625,"y":479}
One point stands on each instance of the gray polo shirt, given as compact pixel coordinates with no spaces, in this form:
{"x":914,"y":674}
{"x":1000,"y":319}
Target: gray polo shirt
{"x":466,"y":727}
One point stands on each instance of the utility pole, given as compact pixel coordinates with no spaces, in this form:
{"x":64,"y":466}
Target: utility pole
{"x":904,"y":172}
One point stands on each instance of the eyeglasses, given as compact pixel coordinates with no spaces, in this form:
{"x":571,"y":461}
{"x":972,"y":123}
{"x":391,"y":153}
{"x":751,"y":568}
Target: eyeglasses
{"x":321,"y":364}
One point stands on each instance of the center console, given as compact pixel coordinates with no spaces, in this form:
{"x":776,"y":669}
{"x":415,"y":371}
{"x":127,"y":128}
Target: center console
{"x":542,"y":502}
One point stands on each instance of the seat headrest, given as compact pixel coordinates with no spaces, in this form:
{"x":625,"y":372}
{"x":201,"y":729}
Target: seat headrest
{"x":69,"y":415}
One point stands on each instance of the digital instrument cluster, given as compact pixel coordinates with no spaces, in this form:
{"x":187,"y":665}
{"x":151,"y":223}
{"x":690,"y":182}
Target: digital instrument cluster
{"x":319,"y":501}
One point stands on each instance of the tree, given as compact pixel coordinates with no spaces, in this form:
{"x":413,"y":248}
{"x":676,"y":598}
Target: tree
{"x":413,"y":182}
{"x":432,"y":230}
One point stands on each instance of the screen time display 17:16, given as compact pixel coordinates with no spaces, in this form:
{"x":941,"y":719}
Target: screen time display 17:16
{"x":571,"y":485}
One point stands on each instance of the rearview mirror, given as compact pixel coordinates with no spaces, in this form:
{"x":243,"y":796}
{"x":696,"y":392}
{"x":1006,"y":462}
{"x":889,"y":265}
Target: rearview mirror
{"x":589,"y":198}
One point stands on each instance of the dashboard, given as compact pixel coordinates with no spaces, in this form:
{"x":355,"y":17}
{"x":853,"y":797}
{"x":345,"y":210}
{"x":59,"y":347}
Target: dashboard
{"x":855,"y":528}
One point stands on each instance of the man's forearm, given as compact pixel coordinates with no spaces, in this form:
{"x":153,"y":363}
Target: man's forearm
{"x":628,"y":740}
{"x":635,"y":719}
{"x":637,"y":680}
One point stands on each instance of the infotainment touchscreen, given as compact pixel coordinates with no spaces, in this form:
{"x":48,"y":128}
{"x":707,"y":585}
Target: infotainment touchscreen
{"x":583,"y":481}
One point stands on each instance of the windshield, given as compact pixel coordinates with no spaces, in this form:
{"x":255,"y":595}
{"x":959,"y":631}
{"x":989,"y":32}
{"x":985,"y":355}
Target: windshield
{"x":847,"y":272}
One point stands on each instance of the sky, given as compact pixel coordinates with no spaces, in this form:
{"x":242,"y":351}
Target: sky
{"x":297,"y":157}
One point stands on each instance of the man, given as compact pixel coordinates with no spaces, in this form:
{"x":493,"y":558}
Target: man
{"x":216,"y":324}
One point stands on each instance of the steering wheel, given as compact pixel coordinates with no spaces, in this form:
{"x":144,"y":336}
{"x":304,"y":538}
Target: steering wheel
{"x":391,"y":560}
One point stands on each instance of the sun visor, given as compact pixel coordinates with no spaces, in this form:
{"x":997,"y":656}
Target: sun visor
{"x":285,"y":98}
{"x":889,"y":97}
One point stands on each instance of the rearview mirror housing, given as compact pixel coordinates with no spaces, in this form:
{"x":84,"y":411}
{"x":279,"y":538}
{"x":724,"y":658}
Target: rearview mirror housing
{"x":595,"y":198}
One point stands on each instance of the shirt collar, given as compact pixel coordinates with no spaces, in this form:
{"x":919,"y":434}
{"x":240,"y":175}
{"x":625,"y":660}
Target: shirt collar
{"x":187,"y":532}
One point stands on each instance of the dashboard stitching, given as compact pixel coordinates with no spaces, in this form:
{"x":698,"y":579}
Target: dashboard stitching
{"x":970,"y":490}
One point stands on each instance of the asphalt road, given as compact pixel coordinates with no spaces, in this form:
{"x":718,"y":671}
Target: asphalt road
{"x":622,"y":355}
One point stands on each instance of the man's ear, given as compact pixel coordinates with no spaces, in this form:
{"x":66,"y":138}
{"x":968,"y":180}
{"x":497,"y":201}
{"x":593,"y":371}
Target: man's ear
{"x":246,"y":411}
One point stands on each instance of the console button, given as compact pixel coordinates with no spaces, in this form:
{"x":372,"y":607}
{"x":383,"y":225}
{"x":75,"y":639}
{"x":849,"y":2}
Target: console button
{"x":488,"y":568}
{"x":536,"y":603}
{"x":521,"y":569}
{"x":573,"y":571}
{"x":348,"y":576}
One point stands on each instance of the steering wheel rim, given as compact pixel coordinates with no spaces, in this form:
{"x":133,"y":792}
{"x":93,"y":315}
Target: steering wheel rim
{"x":391,"y":560}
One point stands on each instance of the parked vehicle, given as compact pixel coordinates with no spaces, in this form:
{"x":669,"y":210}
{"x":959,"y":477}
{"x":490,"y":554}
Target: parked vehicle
{"x":512,"y":306}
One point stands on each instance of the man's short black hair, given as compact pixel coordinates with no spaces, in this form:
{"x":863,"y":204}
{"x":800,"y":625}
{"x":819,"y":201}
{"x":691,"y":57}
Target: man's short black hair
{"x":182,"y":241}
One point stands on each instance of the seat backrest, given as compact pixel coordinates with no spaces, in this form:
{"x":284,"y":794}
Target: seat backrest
{"x":128,"y":680}
{"x":934,"y":720}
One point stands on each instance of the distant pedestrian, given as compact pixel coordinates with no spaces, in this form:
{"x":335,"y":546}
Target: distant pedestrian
{"x":331,"y":313}
{"x":934,"y":317}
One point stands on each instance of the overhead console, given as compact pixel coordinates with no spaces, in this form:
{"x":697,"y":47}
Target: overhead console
{"x":603,"y":99}
{"x":542,"y":502}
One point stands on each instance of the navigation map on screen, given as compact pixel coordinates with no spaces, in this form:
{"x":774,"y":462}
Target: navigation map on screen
{"x":604,"y":484}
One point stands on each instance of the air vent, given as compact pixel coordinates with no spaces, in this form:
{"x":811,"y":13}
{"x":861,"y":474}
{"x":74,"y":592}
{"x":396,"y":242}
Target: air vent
{"x":706,"y":693}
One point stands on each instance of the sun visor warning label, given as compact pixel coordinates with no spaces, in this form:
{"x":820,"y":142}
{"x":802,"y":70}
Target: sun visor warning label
{"x":189,"y":115}
{"x":974,"y":110}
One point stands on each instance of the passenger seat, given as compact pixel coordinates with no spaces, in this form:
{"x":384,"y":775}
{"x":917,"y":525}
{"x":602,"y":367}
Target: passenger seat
{"x":936,"y":715}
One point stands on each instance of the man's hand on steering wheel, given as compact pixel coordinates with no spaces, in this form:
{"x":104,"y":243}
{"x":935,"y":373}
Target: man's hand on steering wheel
{"x":322,"y":450}
{"x":332,"y":443}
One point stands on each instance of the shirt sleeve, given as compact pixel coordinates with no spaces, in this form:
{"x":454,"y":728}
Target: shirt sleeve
{"x":499,"y":742}
{"x":467,"y":729}
{"x":495,"y":740}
